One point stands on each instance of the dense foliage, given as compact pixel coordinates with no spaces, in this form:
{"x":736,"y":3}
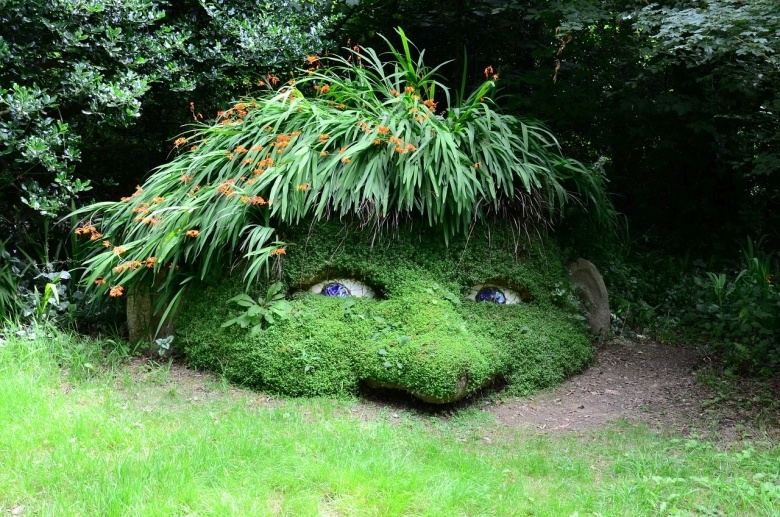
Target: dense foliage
{"x":679,"y":96}
{"x":90,"y":93}
{"x":687,"y":99}
{"x":78,"y":74}
{"x":419,"y":333}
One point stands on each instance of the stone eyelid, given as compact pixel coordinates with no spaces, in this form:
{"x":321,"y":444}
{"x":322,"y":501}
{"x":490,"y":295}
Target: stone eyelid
{"x":343,"y":287}
{"x":483,"y":291}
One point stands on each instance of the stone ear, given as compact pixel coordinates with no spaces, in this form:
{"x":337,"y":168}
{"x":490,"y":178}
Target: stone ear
{"x":593,"y":293}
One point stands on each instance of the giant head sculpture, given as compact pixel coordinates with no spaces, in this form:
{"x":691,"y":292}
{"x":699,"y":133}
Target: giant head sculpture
{"x":402,"y":311}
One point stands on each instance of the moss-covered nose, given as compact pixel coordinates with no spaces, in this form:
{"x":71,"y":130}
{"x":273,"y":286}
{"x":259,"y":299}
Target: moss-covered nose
{"x":431,"y":353}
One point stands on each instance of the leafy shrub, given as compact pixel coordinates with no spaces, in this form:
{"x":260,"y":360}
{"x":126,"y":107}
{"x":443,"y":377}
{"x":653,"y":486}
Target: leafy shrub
{"x":740,"y":312}
{"x":72,"y":71}
{"x":9,"y":290}
{"x":368,"y":140}
{"x":419,"y":334}
{"x":734,"y":312}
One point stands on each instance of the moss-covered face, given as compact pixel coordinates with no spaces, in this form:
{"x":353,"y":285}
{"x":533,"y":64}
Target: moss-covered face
{"x":443,"y":320}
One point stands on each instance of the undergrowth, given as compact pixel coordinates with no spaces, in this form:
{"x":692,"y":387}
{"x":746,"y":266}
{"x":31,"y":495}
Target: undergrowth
{"x":730,"y":308}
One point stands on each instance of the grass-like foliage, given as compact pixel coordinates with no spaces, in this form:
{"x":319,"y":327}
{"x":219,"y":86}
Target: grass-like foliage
{"x":368,"y":136}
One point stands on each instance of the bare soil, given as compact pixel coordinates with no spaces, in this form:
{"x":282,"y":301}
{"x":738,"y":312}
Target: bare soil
{"x":668,"y":388}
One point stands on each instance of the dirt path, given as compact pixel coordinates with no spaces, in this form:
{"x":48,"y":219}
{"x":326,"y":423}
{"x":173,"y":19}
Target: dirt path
{"x":659,"y":385}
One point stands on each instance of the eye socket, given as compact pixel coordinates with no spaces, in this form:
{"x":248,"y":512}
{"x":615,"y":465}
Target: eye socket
{"x":494,"y":294}
{"x":343,"y":288}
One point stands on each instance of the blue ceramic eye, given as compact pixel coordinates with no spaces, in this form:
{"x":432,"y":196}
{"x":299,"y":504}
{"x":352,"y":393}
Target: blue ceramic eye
{"x":491,"y":294}
{"x":335,"y":289}
{"x":342,"y":288}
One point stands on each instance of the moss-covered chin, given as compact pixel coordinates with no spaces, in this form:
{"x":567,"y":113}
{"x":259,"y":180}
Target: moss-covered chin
{"x":419,"y":334}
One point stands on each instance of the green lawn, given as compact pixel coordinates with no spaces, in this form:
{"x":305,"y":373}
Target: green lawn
{"x":82,"y":434}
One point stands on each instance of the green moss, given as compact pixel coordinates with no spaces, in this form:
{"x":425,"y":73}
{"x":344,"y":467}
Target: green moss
{"x":420,"y":334}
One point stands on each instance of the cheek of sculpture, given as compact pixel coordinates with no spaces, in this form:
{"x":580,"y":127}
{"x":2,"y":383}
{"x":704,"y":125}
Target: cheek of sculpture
{"x":421,"y":329}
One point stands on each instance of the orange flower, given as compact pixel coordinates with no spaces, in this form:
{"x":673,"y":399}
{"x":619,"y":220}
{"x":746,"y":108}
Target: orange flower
{"x":324,"y":89}
{"x":192,"y":233}
{"x":279,"y":251}
{"x":345,"y":160}
{"x":382,"y":130}
{"x":134,"y":264}
{"x":377,"y":141}
{"x":118,"y":250}
{"x":158,"y":199}
{"x":124,"y":199}
{"x":430,"y":104}
{"x":142,"y":208}
{"x":302,"y":186}
{"x":312,"y":59}
{"x":488,"y":71}
{"x":185,"y":178}
{"x":256,"y":200}
{"x":179,"y":141}
{"x":256,"y":148}
{"x":226,"y":188}
{"x":100,"y":280}
{"x":409,"y":89}
{"x":247,"y":161}
{"x":194,"y":147}
{"x":477,"y":165}
{"x":324,"y":153}
{"x":106,"y":244}
{"x":229,"y":155}
{"x":150,"y":262}
{"x":116,"y":291}
{"x":95,"y":236}
{"x":414,"y":111}
{"x":394,"y":93}
{"x":241,"y":149}
{"x":342,"y":150}
{"x":120,"y":268}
